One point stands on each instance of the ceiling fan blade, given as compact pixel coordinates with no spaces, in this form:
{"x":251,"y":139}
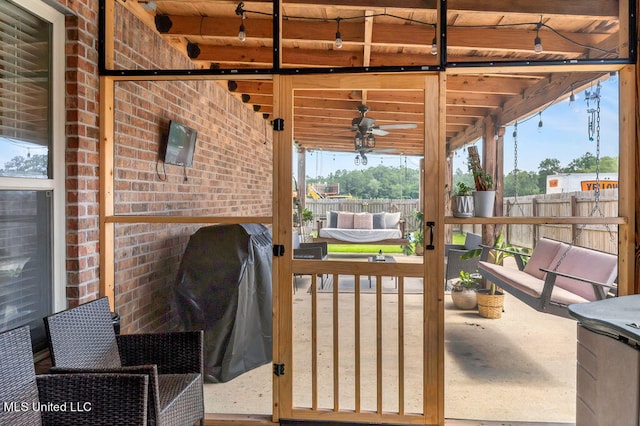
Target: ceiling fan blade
{"x":383,"y":150}
{"x":378,"y":132}
{"x":398,"y":126}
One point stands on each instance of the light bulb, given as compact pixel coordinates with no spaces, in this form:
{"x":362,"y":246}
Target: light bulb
{"x":434,"y":46}
{"x":364,"y":160}
{"x":242,"y":35}
{"x":537,"y":45}
{"x":540,"y":126}
{"x":338,"y":40}
{"x":356,"y":160}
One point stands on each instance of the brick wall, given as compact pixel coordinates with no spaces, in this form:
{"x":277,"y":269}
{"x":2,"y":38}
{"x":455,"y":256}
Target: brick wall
{"x":230,"y":176}
{"x":231,"y":173}
{"x":82,"y":131}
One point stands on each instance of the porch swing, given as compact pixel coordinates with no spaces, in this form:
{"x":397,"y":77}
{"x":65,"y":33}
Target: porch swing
{"x":558,"y":274}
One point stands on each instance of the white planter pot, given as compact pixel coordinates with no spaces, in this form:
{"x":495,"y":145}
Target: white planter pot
{"x":483,"y":202}
{"x":462,"y":205}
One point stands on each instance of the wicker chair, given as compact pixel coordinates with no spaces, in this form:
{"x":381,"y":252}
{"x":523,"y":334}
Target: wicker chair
{"x":83,"y":339}
{"x":89,"y":399}
{"x":454,"y":253}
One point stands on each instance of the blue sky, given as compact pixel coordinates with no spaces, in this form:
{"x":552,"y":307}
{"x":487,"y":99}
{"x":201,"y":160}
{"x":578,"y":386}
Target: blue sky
{"x":564,"y":136}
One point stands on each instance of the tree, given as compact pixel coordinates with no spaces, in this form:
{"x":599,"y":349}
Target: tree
{"x":35,"y":165}
{"x":527,"y":184}
{"x":548,"y":166}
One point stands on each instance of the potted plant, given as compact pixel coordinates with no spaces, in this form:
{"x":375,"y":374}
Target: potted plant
{"x":484,"y":196}
{"x":463,"y":292}
{"x":491,"y":300}
{"x":462,"y":200}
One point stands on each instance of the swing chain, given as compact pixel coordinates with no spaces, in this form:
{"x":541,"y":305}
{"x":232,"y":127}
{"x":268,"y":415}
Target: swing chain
{"x":515,"y":168}
{"x":596,"y":194}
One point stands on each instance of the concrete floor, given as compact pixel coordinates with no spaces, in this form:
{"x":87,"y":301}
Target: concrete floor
{"x":519,"y":368}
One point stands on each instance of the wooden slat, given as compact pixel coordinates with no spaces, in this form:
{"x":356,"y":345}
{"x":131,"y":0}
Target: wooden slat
{"x":400,"y":345}
{"x":314,"y":342}
{"x":539,"y":220}
{"x":336,"y":343}
{"x":379,"y":395}
{"x":628,"y":189}
{"x":357,"y":354}
{"x":186,"y":219}
{"x":106,"y":206}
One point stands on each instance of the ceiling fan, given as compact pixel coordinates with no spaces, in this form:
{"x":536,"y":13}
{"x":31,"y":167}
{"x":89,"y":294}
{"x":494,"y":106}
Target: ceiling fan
{"x":366,"y":130}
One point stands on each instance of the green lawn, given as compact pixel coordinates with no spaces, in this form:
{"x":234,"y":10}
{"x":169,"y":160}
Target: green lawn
{"x":374,"y":248}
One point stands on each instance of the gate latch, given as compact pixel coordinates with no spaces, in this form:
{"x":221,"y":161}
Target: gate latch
{"x":278,"y":369}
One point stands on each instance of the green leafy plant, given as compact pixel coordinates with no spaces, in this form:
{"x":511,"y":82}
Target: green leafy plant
{"x":461,"y":189}
{"x":501,"y":250}
{"x":467,"y":280}
{"x":307,"y":215}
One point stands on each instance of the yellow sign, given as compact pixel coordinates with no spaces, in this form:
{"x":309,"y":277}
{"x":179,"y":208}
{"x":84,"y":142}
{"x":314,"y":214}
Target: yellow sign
{"x":590,"y":185}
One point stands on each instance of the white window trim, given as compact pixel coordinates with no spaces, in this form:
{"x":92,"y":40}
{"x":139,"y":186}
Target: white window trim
{"x":57,"y":184}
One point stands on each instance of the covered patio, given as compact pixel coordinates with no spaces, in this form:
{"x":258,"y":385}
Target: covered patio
{"x":519,"y":368}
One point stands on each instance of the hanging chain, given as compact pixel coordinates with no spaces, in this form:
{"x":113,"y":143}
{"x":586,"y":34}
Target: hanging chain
{"x":594,"y":119}
{"x":515,"y":168}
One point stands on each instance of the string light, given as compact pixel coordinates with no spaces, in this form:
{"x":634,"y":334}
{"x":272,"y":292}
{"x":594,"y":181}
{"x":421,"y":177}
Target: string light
{"x":356,"y":160}
{"x":540,"y":122}
{"x":242,"y":34}
{"x":434,"y":46}
{"x":537,"y":43}
{"x":338,"y":43}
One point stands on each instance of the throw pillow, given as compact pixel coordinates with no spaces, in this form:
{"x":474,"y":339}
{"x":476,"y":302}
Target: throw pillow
{"x":332,"y":219}
{"x":391,"y":220}
{"x":363,"y":221}
{"x":378,"y":220}
{"x":345,"y":220}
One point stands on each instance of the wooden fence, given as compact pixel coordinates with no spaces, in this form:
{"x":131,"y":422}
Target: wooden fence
{"x":572,"y":204}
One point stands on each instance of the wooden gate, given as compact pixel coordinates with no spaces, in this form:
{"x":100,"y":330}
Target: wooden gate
{"x":358,"y":340}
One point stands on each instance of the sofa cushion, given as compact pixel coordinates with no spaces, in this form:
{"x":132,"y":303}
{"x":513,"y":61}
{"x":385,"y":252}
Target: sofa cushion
{"x":332,"y":219}
{"x":580,"y":262}
{"x":542,"y":257}
{"x":363,"y":221}
{"x":391,"y":220}
{"x":378,"y":220}
{"x":529,"y":284}
{"x":345,"y":220}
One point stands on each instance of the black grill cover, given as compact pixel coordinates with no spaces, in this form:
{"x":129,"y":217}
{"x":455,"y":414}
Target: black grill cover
{"x":224,"y":288}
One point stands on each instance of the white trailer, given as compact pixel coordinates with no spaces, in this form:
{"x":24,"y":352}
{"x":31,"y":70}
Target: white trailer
{"x":576,"y":182}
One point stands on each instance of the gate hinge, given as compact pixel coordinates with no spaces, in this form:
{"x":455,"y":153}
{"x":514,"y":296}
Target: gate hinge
{"x":278,"y":369}
{"x":278,"y":250}
{"x":278,"y":124}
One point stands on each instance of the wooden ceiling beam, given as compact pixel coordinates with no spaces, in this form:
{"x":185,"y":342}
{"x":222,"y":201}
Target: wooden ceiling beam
{"x":362,"y":34}
{"x":485,"y":84}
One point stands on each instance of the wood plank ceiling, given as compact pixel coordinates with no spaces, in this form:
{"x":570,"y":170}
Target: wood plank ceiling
{"x":398,"y":34}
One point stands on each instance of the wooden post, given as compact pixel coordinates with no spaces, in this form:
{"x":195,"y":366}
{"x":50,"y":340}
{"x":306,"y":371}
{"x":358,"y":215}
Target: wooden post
{"x":573,"y":203}
{"x":536,"y":229}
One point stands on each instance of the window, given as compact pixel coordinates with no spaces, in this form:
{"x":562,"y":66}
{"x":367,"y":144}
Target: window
{"x":31,"y":165}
